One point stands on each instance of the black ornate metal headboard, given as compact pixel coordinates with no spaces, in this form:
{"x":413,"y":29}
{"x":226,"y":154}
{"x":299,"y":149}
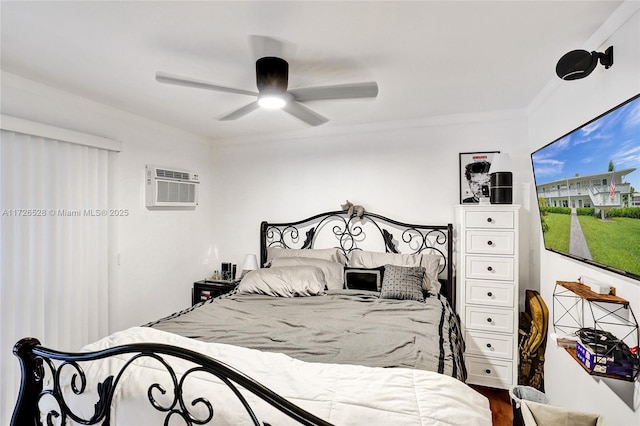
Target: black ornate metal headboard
{"x":371,"y":232}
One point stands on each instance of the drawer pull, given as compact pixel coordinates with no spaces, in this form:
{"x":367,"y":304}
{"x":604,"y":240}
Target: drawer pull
{"x":489,"y":320}
{"x":489,"y":268}
{"x":490,"y":242}
{"x":489,"y":220}
{"x":490,"y":294}
{"x":487,"y":371}
{"x":489,"y":345}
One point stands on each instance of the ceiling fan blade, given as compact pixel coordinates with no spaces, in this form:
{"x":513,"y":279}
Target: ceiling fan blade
{"x":162,"y":77}
{"x":304,"y":113}
{"x":241,"y":112}
{"x":339,"y":91}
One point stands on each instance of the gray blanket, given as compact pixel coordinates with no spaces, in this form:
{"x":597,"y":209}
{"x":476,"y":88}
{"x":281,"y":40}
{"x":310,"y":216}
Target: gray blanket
{"x":342,"y":327}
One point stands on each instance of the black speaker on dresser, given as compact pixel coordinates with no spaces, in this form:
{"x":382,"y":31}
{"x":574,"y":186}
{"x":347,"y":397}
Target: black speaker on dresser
{"x":500,"y":179}
{"x":501,"y":188}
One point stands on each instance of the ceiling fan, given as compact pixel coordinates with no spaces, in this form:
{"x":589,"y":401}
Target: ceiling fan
{"x":272,"y":75}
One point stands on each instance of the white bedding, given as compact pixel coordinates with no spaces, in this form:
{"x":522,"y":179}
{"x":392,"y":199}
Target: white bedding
{"x":340,"y":394}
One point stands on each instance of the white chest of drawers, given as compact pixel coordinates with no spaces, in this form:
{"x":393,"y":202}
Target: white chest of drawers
{"x":487,"y":270}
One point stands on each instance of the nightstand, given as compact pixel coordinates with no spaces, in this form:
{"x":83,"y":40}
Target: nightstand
{"x":208,"y":289}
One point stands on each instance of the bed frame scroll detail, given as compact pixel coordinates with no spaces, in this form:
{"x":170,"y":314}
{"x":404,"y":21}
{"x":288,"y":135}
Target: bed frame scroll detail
{"x":37,"y":362}
{"x":338,"y":229}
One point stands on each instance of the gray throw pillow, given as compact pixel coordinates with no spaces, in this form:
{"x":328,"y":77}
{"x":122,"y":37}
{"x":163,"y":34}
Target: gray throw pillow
{"x":402,"y":282}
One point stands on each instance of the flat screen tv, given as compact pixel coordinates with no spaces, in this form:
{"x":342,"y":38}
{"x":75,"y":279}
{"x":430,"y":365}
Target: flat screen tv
{"x":588,"y":188}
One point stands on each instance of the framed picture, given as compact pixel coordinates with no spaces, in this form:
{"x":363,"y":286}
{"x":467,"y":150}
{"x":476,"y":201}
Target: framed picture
{"x":474,"y":175}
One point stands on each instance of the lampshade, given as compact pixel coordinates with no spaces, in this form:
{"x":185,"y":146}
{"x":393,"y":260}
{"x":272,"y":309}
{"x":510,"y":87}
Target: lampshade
{"x":250,"y":263}
{"x":500,"y":163}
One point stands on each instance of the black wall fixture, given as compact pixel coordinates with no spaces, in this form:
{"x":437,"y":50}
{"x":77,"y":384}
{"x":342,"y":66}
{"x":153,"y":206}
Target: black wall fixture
{"x":578,"y":64}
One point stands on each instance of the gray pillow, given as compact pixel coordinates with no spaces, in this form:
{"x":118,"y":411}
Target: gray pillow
{"x":402,"y":282}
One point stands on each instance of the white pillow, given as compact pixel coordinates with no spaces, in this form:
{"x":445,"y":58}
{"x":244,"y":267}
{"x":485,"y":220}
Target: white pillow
{"x":333,"y":271}
{"x":284,"y":281}
{"x":332,"y":254}
{"x":430,"y":262}
{"x":431,"y":265}
{"x":371,"y":259}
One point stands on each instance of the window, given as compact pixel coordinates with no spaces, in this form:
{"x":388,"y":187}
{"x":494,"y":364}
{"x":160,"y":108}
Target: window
{"x":56,"y":257}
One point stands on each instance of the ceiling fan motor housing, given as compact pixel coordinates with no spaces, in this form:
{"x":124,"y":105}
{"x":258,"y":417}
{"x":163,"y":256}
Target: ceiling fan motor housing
{"x":272,"y":74}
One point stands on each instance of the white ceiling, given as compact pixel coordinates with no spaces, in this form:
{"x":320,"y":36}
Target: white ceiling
{"x":430,"y":58}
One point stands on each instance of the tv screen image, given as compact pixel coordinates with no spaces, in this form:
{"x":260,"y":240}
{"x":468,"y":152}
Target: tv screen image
{"x":588,"y":188}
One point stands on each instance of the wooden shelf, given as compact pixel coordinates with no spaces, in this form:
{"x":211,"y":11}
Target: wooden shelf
{"x":585,"y":292}
{"x":572,"y":352}
{"x":565,"y":322}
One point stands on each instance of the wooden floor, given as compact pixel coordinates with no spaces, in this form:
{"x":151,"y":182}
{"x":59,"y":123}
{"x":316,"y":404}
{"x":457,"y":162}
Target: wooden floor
{"x":500,"y":402}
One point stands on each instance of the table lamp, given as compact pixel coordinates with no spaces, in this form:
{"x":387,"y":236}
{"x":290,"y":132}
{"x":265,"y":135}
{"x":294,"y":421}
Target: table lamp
{"x":250,"y":264}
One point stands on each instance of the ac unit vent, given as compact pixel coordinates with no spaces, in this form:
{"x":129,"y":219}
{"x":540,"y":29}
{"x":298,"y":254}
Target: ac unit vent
{"x":171,"y":174}
{"x":171,"y":188}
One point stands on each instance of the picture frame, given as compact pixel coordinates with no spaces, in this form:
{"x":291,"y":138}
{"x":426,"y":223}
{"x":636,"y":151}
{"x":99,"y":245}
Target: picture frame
{"x":474,"y":175}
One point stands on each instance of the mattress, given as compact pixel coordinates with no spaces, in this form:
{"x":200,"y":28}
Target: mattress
{"x":339,"y":394}
{"x":341,"y":327}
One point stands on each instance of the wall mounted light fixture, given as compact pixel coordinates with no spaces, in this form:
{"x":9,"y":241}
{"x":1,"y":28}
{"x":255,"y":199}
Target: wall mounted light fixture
{"x":578,"y":64}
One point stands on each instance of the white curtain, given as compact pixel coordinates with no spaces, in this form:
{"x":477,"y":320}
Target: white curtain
{"x":56,"y":247}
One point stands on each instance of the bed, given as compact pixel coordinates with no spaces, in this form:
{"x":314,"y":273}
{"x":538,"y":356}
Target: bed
{"x":349,"y":321}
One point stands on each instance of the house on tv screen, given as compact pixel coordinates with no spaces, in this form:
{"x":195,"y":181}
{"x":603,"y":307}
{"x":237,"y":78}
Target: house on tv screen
{"x":602,"y":191}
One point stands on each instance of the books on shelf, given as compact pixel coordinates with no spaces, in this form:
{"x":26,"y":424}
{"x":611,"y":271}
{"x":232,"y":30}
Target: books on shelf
{"x":604,"y":362}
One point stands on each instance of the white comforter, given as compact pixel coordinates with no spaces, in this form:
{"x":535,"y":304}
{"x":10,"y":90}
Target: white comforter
{"x":340,"y":394}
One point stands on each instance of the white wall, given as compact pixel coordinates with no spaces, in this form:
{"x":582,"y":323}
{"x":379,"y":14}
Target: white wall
{"x":560,"y":109}
{"x":161,"y":252}
{"x":407,"y":171}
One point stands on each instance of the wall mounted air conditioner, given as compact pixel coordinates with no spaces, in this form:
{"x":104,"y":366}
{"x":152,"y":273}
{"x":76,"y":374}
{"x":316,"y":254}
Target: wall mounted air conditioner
{"x":170,"y":188}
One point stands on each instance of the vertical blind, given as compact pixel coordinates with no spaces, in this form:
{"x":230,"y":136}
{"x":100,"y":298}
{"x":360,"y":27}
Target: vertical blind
{"x":56,"y":240}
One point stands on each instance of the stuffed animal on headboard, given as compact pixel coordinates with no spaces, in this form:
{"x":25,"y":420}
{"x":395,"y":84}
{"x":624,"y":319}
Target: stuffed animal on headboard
{"x":353,"y":209}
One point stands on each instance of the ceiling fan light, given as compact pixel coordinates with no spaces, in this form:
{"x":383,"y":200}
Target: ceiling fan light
{"x":271,"y":101}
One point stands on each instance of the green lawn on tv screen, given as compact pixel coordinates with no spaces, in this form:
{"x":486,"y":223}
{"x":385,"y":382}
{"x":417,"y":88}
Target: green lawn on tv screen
{"x":557,"y":237}
{"x":612,"y":242}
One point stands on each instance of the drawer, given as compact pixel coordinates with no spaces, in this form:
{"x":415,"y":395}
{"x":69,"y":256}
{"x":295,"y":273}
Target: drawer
{"x":489,"y":372}
{"x":490,"y":268}
{"x":489,"y":219}
{"x":488,"y":344}
{"x":490,"y":242}
{"x":483,"y":318}
{"x":490,"y":293}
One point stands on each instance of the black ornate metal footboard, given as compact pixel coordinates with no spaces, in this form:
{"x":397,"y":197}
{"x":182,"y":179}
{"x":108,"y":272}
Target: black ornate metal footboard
{"x":348,"y":232}
{"x":40,"y":365}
